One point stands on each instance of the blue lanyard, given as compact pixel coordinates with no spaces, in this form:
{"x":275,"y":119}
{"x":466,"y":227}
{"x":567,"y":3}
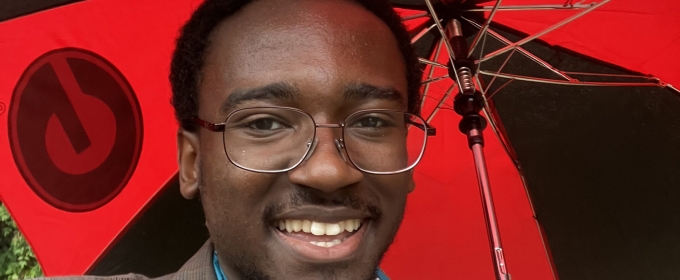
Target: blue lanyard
{"x":218,"y":270}
{"x":220,"y":274}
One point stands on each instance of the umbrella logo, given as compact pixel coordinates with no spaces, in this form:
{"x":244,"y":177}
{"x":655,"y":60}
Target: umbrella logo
{"x":75,"y":129}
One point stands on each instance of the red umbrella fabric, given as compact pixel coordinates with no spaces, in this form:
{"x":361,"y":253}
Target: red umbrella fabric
{"x":636,"y":35}
{"x":134,"y":38}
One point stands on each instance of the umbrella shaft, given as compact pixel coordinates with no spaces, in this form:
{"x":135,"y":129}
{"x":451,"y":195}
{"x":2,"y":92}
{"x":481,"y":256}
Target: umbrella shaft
{"x":493,"y":232}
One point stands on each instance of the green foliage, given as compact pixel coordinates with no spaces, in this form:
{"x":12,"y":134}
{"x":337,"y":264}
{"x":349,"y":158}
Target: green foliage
{"x":16,"y":257}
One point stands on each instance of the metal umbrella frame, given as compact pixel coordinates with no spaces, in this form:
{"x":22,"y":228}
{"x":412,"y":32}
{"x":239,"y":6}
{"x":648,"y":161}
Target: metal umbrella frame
{"x":471,"y":93}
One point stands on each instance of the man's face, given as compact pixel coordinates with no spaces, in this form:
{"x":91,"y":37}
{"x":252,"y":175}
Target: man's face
{"x":319,"y":50}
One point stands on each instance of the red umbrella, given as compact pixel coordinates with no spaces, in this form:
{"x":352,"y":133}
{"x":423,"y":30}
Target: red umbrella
{"x":505,"y":66}
{"x":128,"y":45}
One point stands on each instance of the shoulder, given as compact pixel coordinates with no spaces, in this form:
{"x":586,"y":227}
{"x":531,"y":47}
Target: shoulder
{"x":117,"y":277}
{"x":199,"y":267}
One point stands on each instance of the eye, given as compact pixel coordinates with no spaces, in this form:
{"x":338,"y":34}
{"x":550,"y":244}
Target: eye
{"x":371,"y":122}
{"x":266,"y":124}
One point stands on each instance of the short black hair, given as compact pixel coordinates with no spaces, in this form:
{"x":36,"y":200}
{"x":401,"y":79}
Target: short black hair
{"x":194,"y":39}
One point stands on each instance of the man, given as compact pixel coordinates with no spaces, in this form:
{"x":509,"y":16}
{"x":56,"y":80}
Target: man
{"x":294,"y":124}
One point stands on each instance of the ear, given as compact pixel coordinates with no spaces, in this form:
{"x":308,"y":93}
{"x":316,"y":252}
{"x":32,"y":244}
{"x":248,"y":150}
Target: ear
{"x":187,"y":157}
{"x":411,"y":182}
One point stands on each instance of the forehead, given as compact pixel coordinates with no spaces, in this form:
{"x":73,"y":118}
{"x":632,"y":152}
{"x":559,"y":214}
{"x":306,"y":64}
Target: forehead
{"x":318,"y":46}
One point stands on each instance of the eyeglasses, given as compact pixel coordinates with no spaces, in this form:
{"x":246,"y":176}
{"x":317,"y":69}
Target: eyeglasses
{"x":278,"y":139}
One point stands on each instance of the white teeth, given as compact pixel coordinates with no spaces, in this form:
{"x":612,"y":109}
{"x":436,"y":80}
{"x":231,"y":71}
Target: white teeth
{"x":307,"y":226}
{"x":289,"y":225}
{"x":326,"y":244}
{"x":349,"y":225}
{"x":297,"y":225}
{"x":318,"y":228}
{"x":332,"y":229}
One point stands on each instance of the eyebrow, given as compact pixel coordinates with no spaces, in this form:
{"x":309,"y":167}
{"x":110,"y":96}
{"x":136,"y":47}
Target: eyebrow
{"x":362,"y":91}
{"x":288,"y":92}
{"x":274,"y":91}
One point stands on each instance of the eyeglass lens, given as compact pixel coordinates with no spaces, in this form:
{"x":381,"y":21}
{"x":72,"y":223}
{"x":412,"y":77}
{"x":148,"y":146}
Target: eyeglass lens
{"x":278,"y":139}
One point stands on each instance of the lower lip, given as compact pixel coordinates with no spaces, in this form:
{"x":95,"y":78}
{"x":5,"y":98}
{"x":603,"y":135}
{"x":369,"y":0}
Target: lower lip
{"x":314,"y":253}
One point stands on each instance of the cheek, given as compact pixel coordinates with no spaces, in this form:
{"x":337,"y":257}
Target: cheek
{"x":396,"y":185}
{"x":392,"y":191}
{"x":232,"y":202}
{"x":232,"y":197}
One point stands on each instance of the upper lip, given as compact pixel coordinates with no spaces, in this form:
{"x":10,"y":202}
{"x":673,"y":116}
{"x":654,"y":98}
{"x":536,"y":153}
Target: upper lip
{"x":321,"y":214}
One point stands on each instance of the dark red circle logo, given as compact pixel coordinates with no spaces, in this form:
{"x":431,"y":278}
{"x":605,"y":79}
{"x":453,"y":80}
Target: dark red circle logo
{"x":75,"y":129}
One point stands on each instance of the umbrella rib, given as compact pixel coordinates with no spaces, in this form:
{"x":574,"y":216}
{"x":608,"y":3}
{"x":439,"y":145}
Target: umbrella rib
{"x":484,"y":28}
{"x":425,"y":14}
{"x":500,"y":68}
{"x":434,"y":79}
{"x":481,"y":50}
{"x":499,"y":136}
{"x":444,"y":106}
{"x":492,"y":121}
{"x":523,"y":51}
{"x":441,"y":102}
{"x":673,"y":88}
{"x":422,"y":33}
{"x":568,"y":83}
{"x":613,"y":75}
{"x":532,"y":8}
{"x":543,"y":32}
{"x":500,"y":88}
{"x":427,"y":61}
{"x":429,"y":76}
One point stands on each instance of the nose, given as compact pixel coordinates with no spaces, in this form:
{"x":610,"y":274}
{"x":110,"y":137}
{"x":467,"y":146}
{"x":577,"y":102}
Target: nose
{"x":326,"y":168}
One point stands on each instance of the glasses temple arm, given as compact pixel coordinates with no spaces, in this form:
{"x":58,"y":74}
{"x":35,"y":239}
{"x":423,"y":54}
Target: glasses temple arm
{"x":210,"y":126}
{"x":429,"y":130}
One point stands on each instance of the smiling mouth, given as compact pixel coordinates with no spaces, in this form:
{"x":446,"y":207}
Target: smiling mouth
{"x":318,"y":233}
{"x":322,"y":242}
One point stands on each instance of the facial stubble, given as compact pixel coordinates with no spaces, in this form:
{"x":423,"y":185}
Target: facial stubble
{"x":244,"y":265}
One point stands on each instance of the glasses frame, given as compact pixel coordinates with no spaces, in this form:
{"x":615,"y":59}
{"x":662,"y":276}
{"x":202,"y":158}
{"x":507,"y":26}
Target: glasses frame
{"x":340,"y":143}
